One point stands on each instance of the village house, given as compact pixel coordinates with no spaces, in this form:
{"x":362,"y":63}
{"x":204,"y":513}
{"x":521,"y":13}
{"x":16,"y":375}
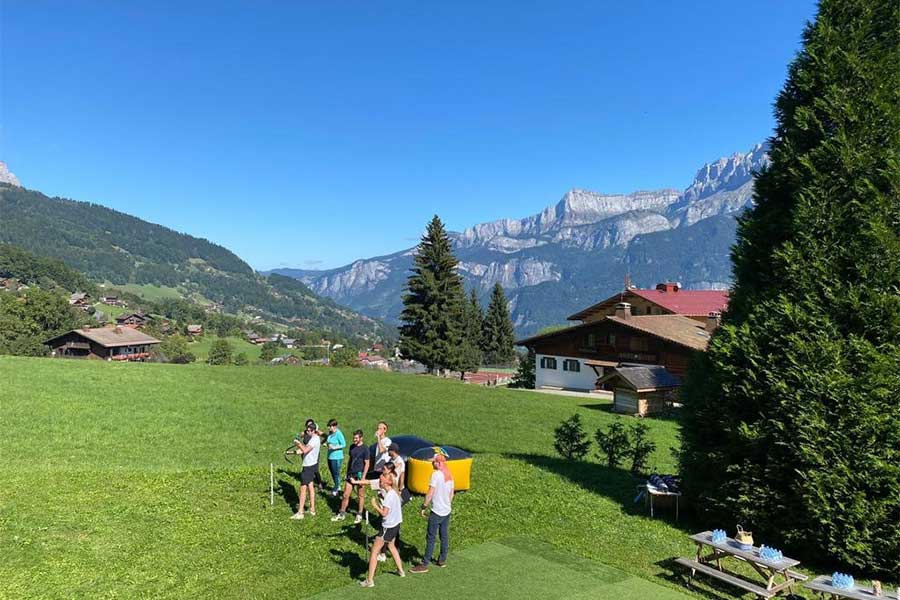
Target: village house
{"x":194,"y":330}
{"x":134,"y":320}
{"x":111,"y":301}
{"x":666,"y":328}
{"x":109,"y":343}
{"x":80,"y":300}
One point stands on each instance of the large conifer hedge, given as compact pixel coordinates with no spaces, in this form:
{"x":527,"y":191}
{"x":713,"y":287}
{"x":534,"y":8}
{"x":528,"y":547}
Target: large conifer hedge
{"x":792,"y":417}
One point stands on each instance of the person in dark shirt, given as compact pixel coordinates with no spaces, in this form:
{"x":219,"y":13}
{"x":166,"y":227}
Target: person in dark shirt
{"x":356,"y":470}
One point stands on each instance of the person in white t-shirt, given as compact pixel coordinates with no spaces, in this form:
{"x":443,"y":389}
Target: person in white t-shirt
{"x":391,"y":512}
{"x":383,"y":442}
{"x":310,"y":452}
{"x":440,"y":496}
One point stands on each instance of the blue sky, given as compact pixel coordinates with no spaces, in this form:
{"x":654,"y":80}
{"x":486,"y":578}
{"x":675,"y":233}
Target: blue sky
{"x":310,"y":134}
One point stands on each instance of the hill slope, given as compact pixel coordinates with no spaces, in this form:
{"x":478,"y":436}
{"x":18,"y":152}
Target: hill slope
{"x":108,"y":245}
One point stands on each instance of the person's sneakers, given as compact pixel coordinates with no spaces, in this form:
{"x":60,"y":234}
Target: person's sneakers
{"x":401,"y":573}
{"x":358,"y":519}
{"x":312,"y":513}
{"x":339,"y":517}
{"x":382,"y":557}
{"x":297,"y":516}
{"x":366,"y":583}
{"x":334,"y":493}
{"x":419,"y":568}
{"x":440,"y":563}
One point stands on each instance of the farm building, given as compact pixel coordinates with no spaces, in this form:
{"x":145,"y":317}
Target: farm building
{"x":611,"y":334}
{"x":193,"y":330}
{"x":135,"y":320}
{"x":119,"y":343}
{"x":641,"y":389}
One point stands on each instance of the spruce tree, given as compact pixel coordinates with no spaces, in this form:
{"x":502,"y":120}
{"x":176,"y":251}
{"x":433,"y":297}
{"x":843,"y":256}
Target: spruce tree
{"x":792,"y":416}
{"x":431,"y":329}
{"x":498,"y":337}
{"x":470,"y":350}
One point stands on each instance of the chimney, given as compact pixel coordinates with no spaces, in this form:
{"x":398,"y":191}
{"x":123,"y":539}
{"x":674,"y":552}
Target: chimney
{"x":117,"y":330}
{"x":712,"y":321}
{"x":668,"y":286}
{"x":623,"y":310}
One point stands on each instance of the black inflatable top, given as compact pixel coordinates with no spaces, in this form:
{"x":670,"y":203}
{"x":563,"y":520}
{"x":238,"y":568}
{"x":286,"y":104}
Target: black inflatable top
{"x":408,"y":445}
{"x":427,"y":453}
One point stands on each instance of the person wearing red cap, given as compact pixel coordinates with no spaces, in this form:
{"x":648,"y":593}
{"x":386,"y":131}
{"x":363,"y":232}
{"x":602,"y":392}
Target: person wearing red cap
{"x":440,"y":496}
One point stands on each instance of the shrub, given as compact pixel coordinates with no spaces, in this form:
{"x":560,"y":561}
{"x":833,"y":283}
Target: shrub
{"x":641,"y":447}
{"x":220,"y":353}
{"x":613,"y":444}
{"x":524,"y":377}
{"x":240,"y":359}
{"x":571,"y":439}
{"x":344,"y":357}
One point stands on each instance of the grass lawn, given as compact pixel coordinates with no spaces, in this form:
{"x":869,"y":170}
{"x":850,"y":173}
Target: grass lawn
{"x":201,"y":347}
{"x":149,"y":480}
{"x":149,"y":291}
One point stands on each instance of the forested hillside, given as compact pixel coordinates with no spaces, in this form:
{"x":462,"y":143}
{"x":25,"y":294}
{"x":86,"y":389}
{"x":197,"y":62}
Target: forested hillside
{"x":108,"y":245}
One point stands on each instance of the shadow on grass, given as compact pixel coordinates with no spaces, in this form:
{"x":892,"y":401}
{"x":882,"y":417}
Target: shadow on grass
{"x":671,"y":414}
{"x":707,"y":587}
{"x":357,"y":561}
{"x":616,"y":484}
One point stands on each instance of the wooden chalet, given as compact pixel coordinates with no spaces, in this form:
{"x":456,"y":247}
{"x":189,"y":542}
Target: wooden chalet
{"x":80,"y":300}
{"x":135,"y":320}
{"x":612,"y":332}
{"x":194,"y":330}
{"x":641,"y":389}
{"x":109,"y":343}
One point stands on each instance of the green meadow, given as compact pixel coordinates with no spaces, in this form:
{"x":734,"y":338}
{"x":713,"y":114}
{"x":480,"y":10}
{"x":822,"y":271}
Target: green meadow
{"x":152,"y":481}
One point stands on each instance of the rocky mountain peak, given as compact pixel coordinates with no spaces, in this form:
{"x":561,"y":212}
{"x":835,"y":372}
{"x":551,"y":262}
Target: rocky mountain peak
{"x":7,"y":176}
{"x":727,"y":173}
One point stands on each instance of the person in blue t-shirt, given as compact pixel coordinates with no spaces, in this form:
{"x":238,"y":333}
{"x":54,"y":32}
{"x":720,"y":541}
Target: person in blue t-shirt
{"x":336,"y":444}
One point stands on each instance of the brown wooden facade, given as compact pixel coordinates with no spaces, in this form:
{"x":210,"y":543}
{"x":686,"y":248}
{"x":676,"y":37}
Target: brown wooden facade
{"x":612,"y":342}
{"x":75,"y":345}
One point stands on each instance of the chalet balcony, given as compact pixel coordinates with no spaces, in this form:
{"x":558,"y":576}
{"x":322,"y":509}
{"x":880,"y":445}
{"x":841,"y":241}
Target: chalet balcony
{"x":132,"y":356}
{"x":74,"y":346}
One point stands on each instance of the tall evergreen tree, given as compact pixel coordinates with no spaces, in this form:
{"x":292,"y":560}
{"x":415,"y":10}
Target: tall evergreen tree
{"x":470,"y":351}
{"x":792,"y":418}
{"x":498,"y":337}
{"x":431,"y":329}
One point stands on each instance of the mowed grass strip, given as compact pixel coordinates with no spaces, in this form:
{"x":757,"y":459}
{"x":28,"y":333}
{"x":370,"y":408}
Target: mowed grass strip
{"x":147,"y":480}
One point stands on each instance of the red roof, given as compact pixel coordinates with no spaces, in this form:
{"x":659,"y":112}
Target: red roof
{"x":687,"y":302}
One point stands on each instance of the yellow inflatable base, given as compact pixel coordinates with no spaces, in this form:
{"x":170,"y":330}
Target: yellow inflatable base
{"x":418,"y":474}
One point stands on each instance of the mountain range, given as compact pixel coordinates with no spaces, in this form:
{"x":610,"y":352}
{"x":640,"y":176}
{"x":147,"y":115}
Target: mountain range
{"x":577,"y":251}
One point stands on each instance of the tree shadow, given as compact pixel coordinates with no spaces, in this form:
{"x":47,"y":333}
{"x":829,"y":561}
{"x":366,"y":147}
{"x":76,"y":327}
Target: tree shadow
{"x":671,"y":414}
{"x":616,"y":484}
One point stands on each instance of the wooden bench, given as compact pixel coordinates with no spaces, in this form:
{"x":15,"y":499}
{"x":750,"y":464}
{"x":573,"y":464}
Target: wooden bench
{"x":695,"y":566}
{"x":822,"y":584}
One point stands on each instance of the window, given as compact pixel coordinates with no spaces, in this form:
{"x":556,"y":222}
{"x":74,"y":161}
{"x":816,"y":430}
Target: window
{"x":638,"y":344}
{"x":571,"y":365}
{"x":591,"y":340}
{"x":548,"y":362}
{"x":635,"y":310}
{"x":611,"y":339}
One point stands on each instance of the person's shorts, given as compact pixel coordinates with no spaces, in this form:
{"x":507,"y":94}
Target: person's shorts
{"x":389,"y":534}
{"x":308,"y":474}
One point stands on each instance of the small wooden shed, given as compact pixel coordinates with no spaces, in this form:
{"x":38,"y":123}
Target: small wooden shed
{"x":641,"y":389}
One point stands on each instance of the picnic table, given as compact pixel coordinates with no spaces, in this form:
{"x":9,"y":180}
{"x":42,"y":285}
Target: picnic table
{"x":653,"y":491}
{"x":824,"y":586}
{"x":778,"y":575}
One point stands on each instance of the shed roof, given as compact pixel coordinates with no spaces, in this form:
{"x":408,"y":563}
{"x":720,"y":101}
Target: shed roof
{"x":643,"y":377}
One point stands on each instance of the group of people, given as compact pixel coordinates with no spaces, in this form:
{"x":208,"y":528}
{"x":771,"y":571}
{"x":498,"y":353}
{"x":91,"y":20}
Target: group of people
{"x":387,"y":476}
